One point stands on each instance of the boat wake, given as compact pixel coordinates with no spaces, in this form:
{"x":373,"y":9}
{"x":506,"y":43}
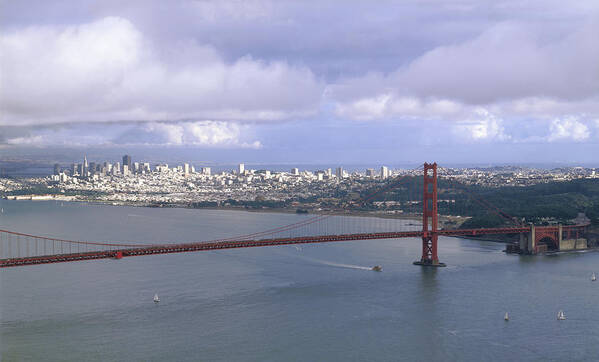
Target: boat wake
{"x":338,"y":265}
{"x":329,"y":263}
{"x":346,"y":266}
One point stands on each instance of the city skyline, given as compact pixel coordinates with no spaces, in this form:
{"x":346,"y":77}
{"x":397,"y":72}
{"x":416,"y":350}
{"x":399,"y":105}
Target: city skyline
{"x":273,"y":180}
{"x":413,"y":84}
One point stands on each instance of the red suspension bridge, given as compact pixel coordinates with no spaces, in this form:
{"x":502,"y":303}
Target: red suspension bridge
{"x":19,"y":249}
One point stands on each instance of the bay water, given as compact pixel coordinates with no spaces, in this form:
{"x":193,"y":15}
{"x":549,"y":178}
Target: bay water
{"x":316,"y":302}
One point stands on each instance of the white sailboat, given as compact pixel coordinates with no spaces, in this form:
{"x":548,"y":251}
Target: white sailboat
{"x":506,"y":317}
{"x":156,"y":299}
{"x":593,"y":277}
{"x":561,"y":316}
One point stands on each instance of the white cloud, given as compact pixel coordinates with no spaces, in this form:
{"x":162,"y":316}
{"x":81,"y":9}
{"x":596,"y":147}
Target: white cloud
{"x":202,"y":134}
{"x":262,"y":60}
{"x":390,"y":105}
{"x":108,"y":71}
{"x":482,"y":126}
{"x":510,"y":69}
{"x":568,"y":128}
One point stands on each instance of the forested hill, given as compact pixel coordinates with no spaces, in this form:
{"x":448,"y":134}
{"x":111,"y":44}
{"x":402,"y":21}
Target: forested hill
{"x":561,"y":201}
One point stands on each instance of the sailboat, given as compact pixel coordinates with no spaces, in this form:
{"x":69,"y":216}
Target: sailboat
{"x":561,"y":316}
{"x":156,"y":299}
{"x":506,"y":317}
{"x":593,"y":277}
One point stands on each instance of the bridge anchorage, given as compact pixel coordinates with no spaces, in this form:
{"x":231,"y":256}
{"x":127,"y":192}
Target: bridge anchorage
{"x":19,"y":249}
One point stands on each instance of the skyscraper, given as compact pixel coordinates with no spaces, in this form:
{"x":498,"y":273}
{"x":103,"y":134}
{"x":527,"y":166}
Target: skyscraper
{"x":339,"y":172}
{"x":241,"y":168}
{"x":84,"y":167}
{"x":384,"y":172}
{"x":127,"y":161}
{"x":56,"y":169}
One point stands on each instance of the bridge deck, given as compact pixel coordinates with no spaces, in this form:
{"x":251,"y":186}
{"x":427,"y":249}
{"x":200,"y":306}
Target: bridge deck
{"x":232,"y":244}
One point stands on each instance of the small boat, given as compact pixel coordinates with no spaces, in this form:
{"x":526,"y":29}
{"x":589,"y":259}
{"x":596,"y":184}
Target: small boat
{"x":593,"y":277}
{"x":377,"y":268}
{"x":561,"y":316}
{"x":156,"y":299}
{"x":506,"y":317}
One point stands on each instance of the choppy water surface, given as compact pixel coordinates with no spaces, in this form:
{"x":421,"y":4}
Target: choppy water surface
{"x":308,"y":302}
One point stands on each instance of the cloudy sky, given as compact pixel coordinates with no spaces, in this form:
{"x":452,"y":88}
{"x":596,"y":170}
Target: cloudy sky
{"x":303,"y":81}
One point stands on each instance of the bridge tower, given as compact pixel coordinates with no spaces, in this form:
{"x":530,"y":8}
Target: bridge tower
{"x":429,"y":213}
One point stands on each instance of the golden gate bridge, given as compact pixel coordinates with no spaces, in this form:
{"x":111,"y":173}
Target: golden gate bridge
{"x":20,"y":249}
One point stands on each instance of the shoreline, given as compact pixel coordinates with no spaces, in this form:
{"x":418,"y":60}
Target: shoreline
{"x":228,"y":208}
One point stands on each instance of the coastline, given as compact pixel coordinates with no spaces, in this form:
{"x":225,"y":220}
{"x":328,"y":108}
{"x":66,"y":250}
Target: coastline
{"x":292,"y":210}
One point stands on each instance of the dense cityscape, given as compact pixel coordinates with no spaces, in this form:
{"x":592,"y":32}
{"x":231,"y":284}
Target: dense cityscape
{"x":143,"y":184}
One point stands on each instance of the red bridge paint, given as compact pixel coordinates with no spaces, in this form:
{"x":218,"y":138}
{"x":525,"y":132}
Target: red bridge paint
{"x":428,"y":234}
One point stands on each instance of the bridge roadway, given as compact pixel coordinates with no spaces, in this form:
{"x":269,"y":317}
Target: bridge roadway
{"x":232,"y":244}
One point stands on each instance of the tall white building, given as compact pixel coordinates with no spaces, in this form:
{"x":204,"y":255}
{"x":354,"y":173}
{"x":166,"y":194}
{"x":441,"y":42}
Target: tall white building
{"x":339,"y":172}
{"x":241,"y":168}
{"x":384,"y":172}
{"x":295,"y":171}
{"x":84,"y":167}
{"x":206,"y":171}
{"x":186,"y":169}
